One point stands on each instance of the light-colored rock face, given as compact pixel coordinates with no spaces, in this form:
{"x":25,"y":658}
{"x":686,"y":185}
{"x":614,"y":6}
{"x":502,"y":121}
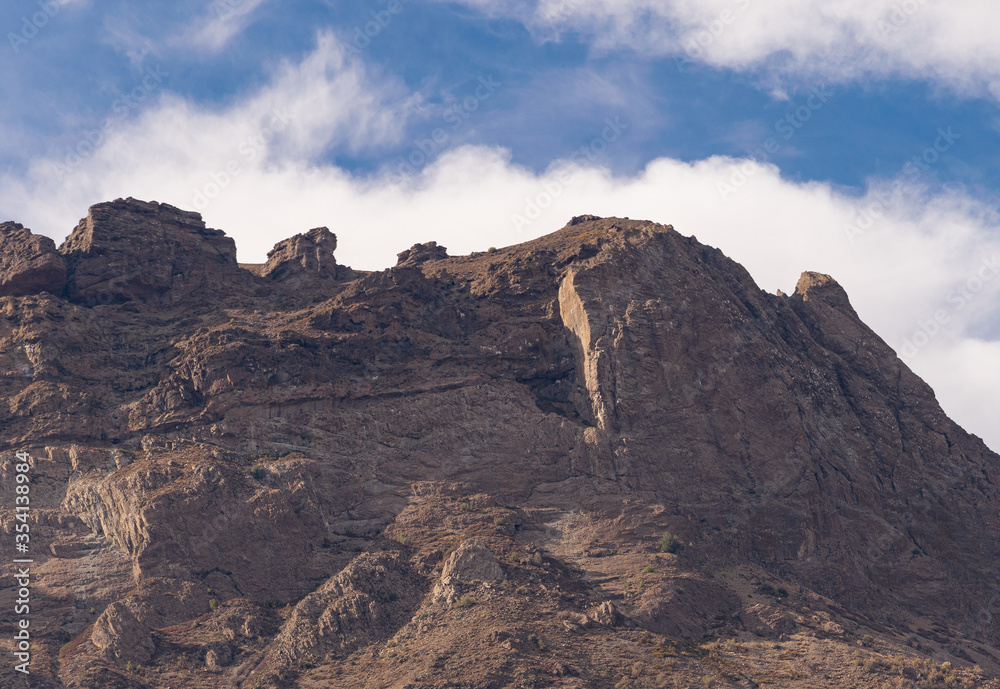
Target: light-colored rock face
{"x":472,"y":561}
{"x":274,"y":472}
{"x":29,"y":263}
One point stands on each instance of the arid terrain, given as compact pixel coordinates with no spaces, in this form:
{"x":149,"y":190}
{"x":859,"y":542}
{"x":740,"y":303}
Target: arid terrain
{"x":602,"y":458}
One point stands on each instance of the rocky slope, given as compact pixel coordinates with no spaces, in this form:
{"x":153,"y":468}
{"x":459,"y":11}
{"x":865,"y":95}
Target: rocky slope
{"x":603,"y":458}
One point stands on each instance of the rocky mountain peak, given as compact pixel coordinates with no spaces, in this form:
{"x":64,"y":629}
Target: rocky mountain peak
{"x":576,"y":459}
{"x":146,"y":251}
{"x":817,"y":286}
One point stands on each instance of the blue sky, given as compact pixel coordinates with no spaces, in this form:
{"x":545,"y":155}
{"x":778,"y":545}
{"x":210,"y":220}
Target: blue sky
{"x":553,"y":94}
{"x":858,"y":138}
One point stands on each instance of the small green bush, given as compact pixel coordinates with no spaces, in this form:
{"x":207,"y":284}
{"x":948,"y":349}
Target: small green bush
{"x":213,"y":604}
{"x":669,"y":543}
{"x":465,"y":601}
{"x":769,"y":590}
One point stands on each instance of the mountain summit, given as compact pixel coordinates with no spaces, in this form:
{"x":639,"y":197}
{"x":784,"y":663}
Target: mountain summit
{"x":602,"y":458}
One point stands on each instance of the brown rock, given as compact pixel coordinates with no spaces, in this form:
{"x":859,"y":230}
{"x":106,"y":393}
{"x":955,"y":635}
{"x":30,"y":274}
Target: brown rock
{"x":606,"y":614}
{"x":421,"y":253}
{"x":150,"y":252}
{"x":578,"y":395}
{"x":29,"y":263}
{"x":367,"y":602}
{"x":472,"y":561}
{"x":120,"y":635}
{"x":303,"y":257}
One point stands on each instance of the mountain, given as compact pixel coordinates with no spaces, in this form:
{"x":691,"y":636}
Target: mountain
{"x":602,"y":458}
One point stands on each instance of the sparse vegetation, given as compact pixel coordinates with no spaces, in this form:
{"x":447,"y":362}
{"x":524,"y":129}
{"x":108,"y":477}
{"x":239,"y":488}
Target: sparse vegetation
{"x":769,"y":590}
{"x":258,"y":471}
{"x":464,"y":601}
{"x":669,"y":543}
{"x":648,"y":569}
{"x":213,"y":604}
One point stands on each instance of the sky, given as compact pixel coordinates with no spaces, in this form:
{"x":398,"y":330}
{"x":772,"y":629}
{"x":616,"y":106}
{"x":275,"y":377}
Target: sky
{"x":857,"y":138}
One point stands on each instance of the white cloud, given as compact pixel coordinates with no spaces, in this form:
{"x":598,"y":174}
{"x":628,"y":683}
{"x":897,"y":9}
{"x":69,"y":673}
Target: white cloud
{"x":951,"y":43}
{"x":222,"y":21}
{"x":911,"y":262}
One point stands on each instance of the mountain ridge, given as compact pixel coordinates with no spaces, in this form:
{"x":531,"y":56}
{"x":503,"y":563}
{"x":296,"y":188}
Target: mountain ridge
{"x":562,"y":403}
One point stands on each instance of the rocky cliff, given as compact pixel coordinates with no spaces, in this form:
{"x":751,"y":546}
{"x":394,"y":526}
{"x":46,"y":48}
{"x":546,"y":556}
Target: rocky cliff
{"x":603,"y":458}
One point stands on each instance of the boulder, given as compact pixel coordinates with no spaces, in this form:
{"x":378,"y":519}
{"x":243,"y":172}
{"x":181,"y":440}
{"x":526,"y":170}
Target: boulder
{"x":29,"y":263}
{"x":472,"y":561}
{"x":421,"y":253}
{"x":303,"y":257}
{"x":121,"y":636}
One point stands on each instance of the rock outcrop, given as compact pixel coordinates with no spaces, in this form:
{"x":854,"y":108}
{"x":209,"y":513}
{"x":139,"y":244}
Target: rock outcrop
{"x":304,"y":257}
{"x":29,"y":263}
{"x":132,"y":250}
{"x":472,"y":561}
{"x":421,"y":253}
{"x":462,"y":470}
{"x":369,"y":601}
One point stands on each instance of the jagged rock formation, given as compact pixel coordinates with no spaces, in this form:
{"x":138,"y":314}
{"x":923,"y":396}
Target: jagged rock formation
{"x":457,"y":471}
{"x":303,"y":257}
{"x":29,"y":263}
{"x":421,"y":253}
